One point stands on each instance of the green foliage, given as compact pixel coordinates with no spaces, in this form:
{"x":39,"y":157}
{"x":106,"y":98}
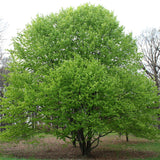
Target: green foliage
{"x":88,"y":31}
{"x":74,"y":74}
{"x":136,"y":105}
{"x":77,"y":94}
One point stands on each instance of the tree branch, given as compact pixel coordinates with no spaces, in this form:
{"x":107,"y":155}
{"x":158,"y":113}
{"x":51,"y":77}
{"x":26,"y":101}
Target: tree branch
{"x":97,"y":139}
{"x":147,"y":72}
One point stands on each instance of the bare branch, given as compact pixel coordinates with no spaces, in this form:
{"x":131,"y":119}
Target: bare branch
{"x":149,"y":45}
{"x":147,"y":72}
{"x":97,"y":139}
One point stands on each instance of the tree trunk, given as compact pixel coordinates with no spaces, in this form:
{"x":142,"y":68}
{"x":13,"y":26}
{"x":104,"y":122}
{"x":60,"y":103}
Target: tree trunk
{"x":127,"y":139}
{"x":84,"y":147}
{"x":74,"y":143}
{"x":159,"y":120}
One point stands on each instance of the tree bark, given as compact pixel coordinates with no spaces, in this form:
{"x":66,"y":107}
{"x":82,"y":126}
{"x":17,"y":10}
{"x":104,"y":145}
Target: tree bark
{"x":127,"y":139}
{"x":85,"y":147}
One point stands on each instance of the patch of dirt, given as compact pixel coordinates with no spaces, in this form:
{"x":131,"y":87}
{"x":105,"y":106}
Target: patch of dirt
{"x":51,"y":148}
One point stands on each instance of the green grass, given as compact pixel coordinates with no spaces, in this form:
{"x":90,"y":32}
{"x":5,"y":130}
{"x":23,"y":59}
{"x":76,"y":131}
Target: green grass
{"x":5,"y":158}
{"x":153,"y":146}
{"x":158,"y":158}
{"x":11,"y":159}
{"x":142,"y":146}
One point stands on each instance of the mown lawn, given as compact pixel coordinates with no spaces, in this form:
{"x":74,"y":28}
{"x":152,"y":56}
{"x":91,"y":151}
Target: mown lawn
{"x":111,"y":147}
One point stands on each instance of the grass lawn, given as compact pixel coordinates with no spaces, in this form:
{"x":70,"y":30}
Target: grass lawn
{"x":111,"y":147}
{"x":2,"y":158}
{"x":158,"y":158}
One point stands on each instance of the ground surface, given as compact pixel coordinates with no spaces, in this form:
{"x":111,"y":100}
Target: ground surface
{"x":110,"y":148}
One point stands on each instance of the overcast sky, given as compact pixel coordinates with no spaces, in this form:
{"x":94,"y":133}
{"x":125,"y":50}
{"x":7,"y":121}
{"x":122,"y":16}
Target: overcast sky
{"x":134,"y":15}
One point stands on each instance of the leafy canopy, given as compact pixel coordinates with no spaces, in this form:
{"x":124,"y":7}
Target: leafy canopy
{"x":88,"y":31}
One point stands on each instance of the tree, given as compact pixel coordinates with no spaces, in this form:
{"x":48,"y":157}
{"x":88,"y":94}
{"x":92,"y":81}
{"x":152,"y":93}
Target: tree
{"x":66,"y":78}
{"x":149,"y":45}
{"x":1,"y":34}
{"x":3,"y":27}
{"x":3,"y":61}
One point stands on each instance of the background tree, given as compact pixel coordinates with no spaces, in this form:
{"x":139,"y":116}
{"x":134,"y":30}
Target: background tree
{"x":149,"y":45}
{"x":64,"y":70}
{"x":3,"y":61}
{"x":3,"y":57}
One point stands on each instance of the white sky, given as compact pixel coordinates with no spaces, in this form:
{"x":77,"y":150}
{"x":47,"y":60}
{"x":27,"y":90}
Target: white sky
{"x":134,"y":15}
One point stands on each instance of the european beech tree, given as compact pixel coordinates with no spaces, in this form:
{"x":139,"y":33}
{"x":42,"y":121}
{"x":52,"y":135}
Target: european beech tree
{"x":74,"y":75}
